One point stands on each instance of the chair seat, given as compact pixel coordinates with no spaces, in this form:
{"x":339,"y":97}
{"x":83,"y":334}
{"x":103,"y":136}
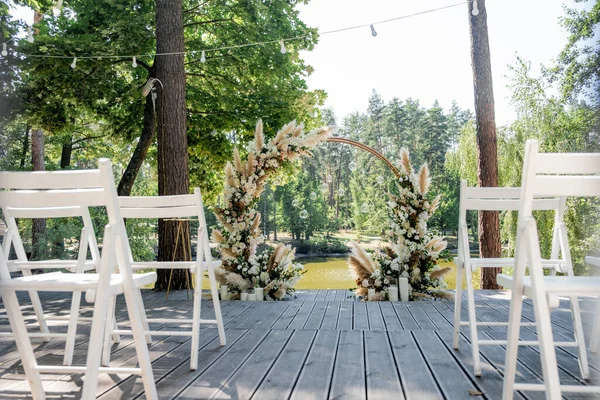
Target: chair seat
{"x":559,"y":285}
{"x":509,"y":262}
{"x":172,"y":265}
{"x":58,"y":282}
{"x":15,"y":265}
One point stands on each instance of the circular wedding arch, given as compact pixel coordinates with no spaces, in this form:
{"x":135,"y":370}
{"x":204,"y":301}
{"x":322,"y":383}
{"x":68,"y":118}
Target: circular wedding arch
{"x":335,"y":139}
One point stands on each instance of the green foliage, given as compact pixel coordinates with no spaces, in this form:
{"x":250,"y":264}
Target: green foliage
{"x":324,"y":245}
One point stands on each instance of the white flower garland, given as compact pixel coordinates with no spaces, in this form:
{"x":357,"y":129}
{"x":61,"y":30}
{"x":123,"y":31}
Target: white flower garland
{"x":239,"y":235}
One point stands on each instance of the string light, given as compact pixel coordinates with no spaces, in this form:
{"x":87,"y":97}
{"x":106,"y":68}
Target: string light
{"x":475,"y":10}
{"x":341,"y":192}
{"x":74,"y":63}
{"x":313,"y":196}
{"x":58,"y":6}
{"x":373,"y":31}
{"x":4,"y":51}
{"x":303,"y":214}
{"x":295,"y":203}
{"x":380,"y":179}
{"x":364,"y":208}
{"x":282,"y":48}
{"x":134,"y":62}
{"x":29,"y":34}
{"x":324,"y":187}
{"x":352,"y":166}
{"x":329,"y":178}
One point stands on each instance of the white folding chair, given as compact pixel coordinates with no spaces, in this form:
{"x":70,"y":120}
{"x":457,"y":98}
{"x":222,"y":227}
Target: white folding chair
{"x":68,"y":189}
{"x":177,"y":208}
{"x":502,"y":199}
{"x":548,"y":175}
{"x":595,"y":336}
{"x":25,"y":265}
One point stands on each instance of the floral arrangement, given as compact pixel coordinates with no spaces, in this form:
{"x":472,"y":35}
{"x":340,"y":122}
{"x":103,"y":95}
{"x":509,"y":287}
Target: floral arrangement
{"x":414,"y":250}
{"x":239,"y":234}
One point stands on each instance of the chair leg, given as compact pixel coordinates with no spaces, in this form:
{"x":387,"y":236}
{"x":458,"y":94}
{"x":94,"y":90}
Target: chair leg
{"x":473,"y":321}
{"x":38,"y":309}
{"x":17,"y":325}
{"x":512,"y":345}
{"x":196,"y":319}
{"x":142,"y":314}
{"x":595,"y":339}
{"x":132,"y":297}
{"x":94,"y":356}
{"x":216,"y":304}
{"x":578,"y":333}
{"x":109,"y":328}
{"x":72,"y":328}
{"x":547,"y":349}
{"x":458,"y":304}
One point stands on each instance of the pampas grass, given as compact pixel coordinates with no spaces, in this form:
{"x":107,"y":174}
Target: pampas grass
{"x":237,"y":281}
{"x":435,"y":204}
{"x":424,"y":180}
{"x":405,"y":160}
{"x":360,"y":263}
{"x":217,"y":236}
{"x":258,"y":135}
{"x":439,"y":273}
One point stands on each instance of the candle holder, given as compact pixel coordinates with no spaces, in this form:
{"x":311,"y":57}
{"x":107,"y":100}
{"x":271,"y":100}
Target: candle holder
{"x":224,"y":292}
{"x":371,"y":294}
{"x":244,"y":296}
{"x":403,"y":288}
{"x":393,"y":293}
{"x":251,"y":297}
{"x":260,"y":294}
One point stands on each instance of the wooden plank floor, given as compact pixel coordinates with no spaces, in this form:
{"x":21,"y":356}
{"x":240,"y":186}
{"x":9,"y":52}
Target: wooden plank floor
{"x":319,"y":345}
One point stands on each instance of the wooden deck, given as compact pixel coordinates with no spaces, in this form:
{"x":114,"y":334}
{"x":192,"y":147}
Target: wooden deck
{"x":321,"y":345}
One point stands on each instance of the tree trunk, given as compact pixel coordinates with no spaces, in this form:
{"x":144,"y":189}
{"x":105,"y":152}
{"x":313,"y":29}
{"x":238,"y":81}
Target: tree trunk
{"x":487,"y":170}
{"x":65,"y":155}
{"x":173,"y":173}
{"x":141,"y":149}
{"x":25,"y":147}
{"x":38,"y":226}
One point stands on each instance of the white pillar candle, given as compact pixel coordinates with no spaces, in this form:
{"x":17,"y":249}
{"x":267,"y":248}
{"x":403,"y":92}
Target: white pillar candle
{"x":244,"y":296}
{"x":260,"y":295}
{"x":251,"y":297}
{"x":393,"y":293}
{"x":224,"y":292}
{"x":403,"y":288}
{"x":371,"y":294}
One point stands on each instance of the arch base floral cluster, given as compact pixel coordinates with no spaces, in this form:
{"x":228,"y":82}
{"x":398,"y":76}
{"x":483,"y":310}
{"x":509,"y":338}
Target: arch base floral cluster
{"x":414,"y":250}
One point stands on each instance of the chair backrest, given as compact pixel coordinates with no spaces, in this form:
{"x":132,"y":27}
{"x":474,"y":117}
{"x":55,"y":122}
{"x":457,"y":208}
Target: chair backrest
{"x":167,"y":207}
{"x":63,"y":192}
{"x":87,"y":238}
{"x":557,"y":174}
{"x":503,"y":199}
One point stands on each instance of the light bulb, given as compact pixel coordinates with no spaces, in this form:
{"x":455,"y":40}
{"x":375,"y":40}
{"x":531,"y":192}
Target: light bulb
{"x":329,"y":179}
{"x":380,"y":179}
{"x":74,"y":63}
{"x":57,"y":8}
{"x":313,"y":196}
{"x":341,"y":192}
{"x":373,"y":31}
{"x":352,"y":166}
{"x":203,"y":57}
{"x":295,"y":203}
{"x":303,"y":214}
{"x":282,"y":48}
{"x":134,"y":63}
{"x":324,"y":187}
{"x":364,"y":208}
{"x":29,"y":34}
{"x":4,"y":51}
{"x":475,"y":10}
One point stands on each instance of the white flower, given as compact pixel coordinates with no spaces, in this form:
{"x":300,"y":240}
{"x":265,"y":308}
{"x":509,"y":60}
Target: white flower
{"x":365,"y":283}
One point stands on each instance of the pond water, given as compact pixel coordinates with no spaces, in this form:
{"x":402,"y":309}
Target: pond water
{"x":333,"y":273}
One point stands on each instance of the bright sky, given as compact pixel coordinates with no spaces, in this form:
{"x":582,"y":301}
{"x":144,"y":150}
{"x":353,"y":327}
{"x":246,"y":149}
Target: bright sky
{"x":426,"y":57}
